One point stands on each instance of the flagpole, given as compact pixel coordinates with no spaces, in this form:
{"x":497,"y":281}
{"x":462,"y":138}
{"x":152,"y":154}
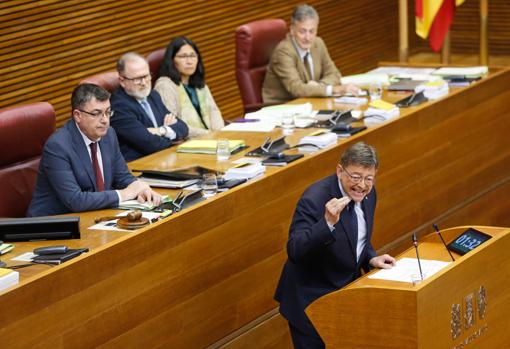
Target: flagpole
{"x":484,"y":42}
{"x":445,"y":51}
{"x":403,"y":50}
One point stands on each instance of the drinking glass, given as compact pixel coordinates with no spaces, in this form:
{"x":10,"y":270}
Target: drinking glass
{"x":222,"y":149}
{"x":209,"y":185}
{"x":288,"y":123}
{"x":375,"y":91}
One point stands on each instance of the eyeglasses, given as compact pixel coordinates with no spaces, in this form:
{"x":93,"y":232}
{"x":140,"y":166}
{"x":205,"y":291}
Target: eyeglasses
{"x":139,"y":80}
{"x":98,"y":114}
{"x":190,"y":56}
{"x":356,"y":178}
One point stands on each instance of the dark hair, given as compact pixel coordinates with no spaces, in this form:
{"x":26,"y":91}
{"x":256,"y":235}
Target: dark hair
{"x":85,"y":92}
{"x":360,"y":154}
{"x":168,"y":68}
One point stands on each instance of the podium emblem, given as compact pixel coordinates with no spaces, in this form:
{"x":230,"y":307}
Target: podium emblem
{"x":455,"y":324}
{"x":481,"y":302}
{"x":469,"y":314}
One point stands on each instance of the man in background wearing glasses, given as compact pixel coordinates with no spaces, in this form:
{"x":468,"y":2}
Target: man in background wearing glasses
{"x":81,"y":167}
{"x":142,"y":122}
{"x":329,"y":240}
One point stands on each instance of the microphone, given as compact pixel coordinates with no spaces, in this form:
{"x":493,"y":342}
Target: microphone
{"x":444,"y":243}
{"x":415,"y":244}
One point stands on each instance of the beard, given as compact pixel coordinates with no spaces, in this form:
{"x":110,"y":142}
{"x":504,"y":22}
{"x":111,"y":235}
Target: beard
{"x":141,"y":93}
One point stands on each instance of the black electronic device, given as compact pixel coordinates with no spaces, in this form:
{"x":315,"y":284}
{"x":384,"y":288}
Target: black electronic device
{"x":40,"y":228}
{"x":270,"y":146}
{"x":468,"y":241}
{"x":412,"y":100}
{"x":334,"y":117}
{"x":59,"y":258}
{"x":41,"y":251}
{"x":178,"y":174}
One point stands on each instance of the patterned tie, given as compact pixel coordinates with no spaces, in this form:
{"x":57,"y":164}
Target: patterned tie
{"x":97,"y":169}
{"x":307,"y":66}
{"x":148,"y":110}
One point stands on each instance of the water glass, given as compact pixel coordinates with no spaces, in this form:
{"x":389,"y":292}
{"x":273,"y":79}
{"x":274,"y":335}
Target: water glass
{"x":375,"y":91}
{"x":288,"y":124}
{"x":222,"y":149}
{"x":416,"y":279}
{"x":209,"y":185}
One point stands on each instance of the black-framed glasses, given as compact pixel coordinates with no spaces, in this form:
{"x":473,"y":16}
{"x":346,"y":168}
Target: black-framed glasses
{"x":98,"y":114}
{"x":138,"y":80}
{"x":356,"y":178}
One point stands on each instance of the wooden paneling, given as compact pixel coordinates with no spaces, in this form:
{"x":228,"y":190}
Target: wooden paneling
{"x":465,"y":31}
{"x":47,"y":47}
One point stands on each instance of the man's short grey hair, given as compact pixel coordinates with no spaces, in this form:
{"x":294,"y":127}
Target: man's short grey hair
{"x":303,"y":12}
{"x":360,"y":154}
{"x":121,"y":63}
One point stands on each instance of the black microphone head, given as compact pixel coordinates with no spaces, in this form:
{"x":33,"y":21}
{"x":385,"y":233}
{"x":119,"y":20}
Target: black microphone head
{"x":434,"y":225}
{"x":415,"y":240}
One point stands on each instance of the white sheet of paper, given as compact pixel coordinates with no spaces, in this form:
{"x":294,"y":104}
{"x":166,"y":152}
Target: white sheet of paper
{"x":112,"y":225}
{"x":408,"y":266}
{"x":24,"y":257}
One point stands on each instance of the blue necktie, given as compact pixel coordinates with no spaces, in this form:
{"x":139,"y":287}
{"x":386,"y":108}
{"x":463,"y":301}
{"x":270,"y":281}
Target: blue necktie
{"x":146,"y":106}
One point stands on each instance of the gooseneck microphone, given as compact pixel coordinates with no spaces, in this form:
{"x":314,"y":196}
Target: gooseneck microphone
{"x":415,"y":244}
{"x":444,"y":243}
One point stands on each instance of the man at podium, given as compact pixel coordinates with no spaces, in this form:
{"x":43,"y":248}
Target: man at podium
{"x":329,"y":240}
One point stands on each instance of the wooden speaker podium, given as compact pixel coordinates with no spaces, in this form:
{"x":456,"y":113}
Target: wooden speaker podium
{"x":465,"y":305}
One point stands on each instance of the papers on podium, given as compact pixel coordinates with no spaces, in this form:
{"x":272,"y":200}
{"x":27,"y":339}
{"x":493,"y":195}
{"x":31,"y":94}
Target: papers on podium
{"x":351,"y":100}
{"x":380,"y":111}
{"x":207,"y":146}
{"x":467,"y":72}
{"x":244,"y":171}
{"x":275,"y":112}
{"x":256,"y":126}
{"x":8,"y":278}
{"x":366,"y":79}
{"x":406,"y":267}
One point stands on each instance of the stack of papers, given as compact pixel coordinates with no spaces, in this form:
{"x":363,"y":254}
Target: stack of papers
{"x":8,"y":278}
{"x":320,"y":139}
{"x":244,"y":171}
{"x":433,"y":89}
{"x":274,"y":113}
{"x":207,"y":146}
{"x":145,"y":206}
{"x":406,"y":267}
{"x":467,"y":72}
{"x":255,"y":126}
{"x":351,"y":100}
{"x":380,"y":111}
{"x":364,"y":80}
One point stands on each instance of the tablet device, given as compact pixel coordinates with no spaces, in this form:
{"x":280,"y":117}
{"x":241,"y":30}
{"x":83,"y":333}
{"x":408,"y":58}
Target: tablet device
{"x":468,"y":241}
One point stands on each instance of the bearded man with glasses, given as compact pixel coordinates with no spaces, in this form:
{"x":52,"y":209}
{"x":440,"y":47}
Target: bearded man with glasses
{"x":329,"y":240}
{"x":81,"y":168}
{"x":142,"y":122}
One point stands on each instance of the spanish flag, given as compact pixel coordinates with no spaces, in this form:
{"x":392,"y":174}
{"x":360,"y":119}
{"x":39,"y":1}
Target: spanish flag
{"x":433,"y":19}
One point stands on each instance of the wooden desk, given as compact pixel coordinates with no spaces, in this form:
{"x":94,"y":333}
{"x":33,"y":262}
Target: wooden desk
{"x":190,"y":280}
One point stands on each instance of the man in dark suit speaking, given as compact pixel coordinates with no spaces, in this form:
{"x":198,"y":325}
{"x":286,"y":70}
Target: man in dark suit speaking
{"x":329,"y":240}
{"x":81,"y":164}
{"x":142,"y":122}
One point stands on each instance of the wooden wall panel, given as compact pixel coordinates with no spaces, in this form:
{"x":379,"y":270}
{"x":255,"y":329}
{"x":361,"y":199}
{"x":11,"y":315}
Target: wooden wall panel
{"x":465,"y":31}
{"x":47,"y":47}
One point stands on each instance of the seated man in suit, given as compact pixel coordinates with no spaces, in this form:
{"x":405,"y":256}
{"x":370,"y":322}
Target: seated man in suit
{"x":329,"y":240}
{"x":142,"y":122}
{"x":81,"y":164}
{"x":300,"y":65}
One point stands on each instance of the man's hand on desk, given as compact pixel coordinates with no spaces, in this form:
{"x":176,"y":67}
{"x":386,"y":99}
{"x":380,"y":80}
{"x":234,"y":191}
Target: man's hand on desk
{"x":349,"y":89}
{"x":141,"y":191}
{"x":384,"y":261}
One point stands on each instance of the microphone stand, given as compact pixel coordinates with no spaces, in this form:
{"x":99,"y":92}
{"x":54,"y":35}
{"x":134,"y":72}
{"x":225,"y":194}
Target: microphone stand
{"x":415,"y":244}
{"x":444,"y":243}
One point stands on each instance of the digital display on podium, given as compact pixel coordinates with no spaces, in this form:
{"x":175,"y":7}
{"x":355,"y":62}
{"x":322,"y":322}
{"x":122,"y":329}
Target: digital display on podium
{"x":468,"y":241}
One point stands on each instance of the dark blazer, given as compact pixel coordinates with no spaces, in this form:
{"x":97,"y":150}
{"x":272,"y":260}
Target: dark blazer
{"x":66,"y":181}
{"x":131,"y":122}
{"x":286,"y":76}
{"x":320,"y":261}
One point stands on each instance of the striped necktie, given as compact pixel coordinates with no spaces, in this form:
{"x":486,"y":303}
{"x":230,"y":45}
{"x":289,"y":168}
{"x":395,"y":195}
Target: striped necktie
{"x":95,"y":166}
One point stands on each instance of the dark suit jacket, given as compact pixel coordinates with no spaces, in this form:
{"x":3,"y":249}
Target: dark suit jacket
{"x":320,"y":261}
{"x":286,"y":76}
{"x":131,"y":122}
{"x":66,"y":181}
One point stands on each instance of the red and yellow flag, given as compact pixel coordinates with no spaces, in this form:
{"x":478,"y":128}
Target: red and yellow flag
{"x":433,"y":19}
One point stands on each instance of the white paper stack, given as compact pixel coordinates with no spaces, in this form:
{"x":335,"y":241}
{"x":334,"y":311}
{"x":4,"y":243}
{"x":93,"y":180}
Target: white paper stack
{"x":351,"y":100}
{"x":434,"y":89}
{"x":8,"y":278}
{"x":274,"y":113}
{"x":258,"y":126}
{"x":320,"y":139}
{"x":380,"y":111}
{"x":244,"y":171}
{"x":468,"y":72}
{"x":366,"y":79}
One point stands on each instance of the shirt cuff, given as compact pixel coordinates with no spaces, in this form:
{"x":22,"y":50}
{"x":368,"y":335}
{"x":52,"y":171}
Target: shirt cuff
{"x":331,"y":227}
{"x":170,"y":133}
{"x":329,"y":90}
{"x":118,"y":195}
